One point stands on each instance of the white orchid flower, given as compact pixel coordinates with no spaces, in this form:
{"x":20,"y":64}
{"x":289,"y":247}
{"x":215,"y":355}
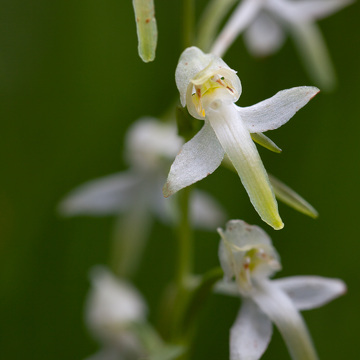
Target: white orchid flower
{"x":135,"y":195}
{"x":209,"y":89}
{"x":266,"y":21}
{"x":112,"y":306}
{"x":248,"y":260}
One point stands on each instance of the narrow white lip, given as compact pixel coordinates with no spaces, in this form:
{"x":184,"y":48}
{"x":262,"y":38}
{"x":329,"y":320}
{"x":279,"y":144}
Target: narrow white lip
{"x":278,"y":306}
{"x":235,"y":139}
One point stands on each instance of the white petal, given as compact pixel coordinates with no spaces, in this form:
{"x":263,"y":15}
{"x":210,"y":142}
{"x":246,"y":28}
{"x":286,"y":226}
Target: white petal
{"x":104,"y":196}
{"x":312,"y":48}
{"x":205,"y":211}
{"x":251,"y":333}
{"x":264,"y":36}
{"x":236,"y":141}
{"x":309,"y":292}
{"x":243,"y":15}
{"x":192,"y":61}
{"x":276,"y":111}
{"x":317,"y":9}
{"x":277,"y":305}
{"x":197,"y":159}
{"x":306,"y":10}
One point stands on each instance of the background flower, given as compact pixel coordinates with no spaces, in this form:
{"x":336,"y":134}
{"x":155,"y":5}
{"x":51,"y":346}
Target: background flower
{"x":135,"y":195}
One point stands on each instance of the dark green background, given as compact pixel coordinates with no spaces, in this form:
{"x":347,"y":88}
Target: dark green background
{"x":71,"y":83}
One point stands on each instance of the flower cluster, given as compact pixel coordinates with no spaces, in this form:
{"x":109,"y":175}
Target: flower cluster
{"x":116,"y":313}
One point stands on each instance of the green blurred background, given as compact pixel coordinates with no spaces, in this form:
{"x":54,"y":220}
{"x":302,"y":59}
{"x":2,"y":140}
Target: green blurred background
{"x":71,"y":83}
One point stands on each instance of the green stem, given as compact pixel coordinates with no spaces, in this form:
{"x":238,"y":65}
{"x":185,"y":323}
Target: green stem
{"x":185,"y":238}
{"x":177,"y":293}
{"x":188,"y":22}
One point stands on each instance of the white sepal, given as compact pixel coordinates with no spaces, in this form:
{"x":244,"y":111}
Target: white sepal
{"x":108,"y":195}
{"x":272,"y":113}
{"x":306,"y":10}
{"x":197,"y":159}
{"x":251,"y":333}
{"x":309,"y":292}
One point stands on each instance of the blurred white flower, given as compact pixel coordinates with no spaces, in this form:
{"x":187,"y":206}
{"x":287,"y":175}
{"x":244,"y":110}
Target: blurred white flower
{"x":209,"y":89}
{"x":112,"y":307}
{"x":136,"y":196}
{"x":248,"y":260}
{"x":115,"y":314}
{"x":265,"y":23}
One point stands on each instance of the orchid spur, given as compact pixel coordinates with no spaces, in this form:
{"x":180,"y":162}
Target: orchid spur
{"x":265,"y":22}
{"x":248,"y":260}
{"x":209,"y":89}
